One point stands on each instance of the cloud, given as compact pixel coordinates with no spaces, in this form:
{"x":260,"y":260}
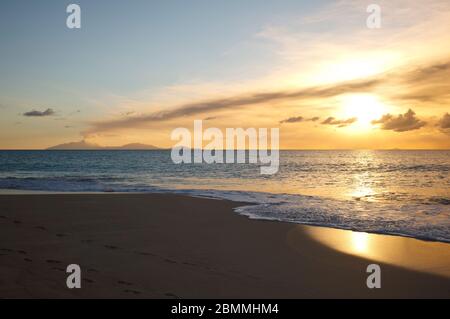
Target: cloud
{"x":340,"y":123}
{"x":422,"y":74}
{"x":297,"y":119}
{"x":400,"y":123}
{"x":47,"y":112}
{"x":427,"y":84}
{"x":423,"y":84}
{"x":294,"y":119}
{"x":128,"y":113}
{"x":444,"y":122}
{"x":201,"y":107}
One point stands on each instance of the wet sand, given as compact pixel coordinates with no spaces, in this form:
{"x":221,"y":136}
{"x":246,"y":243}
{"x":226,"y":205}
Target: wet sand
{"x":171,"y":246}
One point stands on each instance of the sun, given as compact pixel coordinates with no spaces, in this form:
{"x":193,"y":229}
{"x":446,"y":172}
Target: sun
{"x":365,"y":107}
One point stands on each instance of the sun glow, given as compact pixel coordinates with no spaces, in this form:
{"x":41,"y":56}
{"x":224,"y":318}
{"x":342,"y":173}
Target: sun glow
{"x":360,"y":242}
{"x":365,"y":107}
{"x":348,"y":66}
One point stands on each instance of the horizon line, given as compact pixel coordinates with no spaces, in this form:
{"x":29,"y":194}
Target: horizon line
{"x":280,"y":149}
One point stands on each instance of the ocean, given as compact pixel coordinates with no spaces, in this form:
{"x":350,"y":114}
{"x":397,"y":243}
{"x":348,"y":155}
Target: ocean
{"x":397,"y":192}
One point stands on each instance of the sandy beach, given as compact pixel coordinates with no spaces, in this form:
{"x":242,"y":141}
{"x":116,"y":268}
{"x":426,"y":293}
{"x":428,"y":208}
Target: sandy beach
{"x":171,"y":246}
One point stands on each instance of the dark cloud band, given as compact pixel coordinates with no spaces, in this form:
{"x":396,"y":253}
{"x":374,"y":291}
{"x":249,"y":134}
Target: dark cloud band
{"x":424,"y":84}
{"x":32,"y":113}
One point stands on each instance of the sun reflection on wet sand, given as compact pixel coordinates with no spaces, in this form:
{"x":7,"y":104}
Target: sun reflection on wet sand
{"x":409,"y":253}
{"x":360,"y":242}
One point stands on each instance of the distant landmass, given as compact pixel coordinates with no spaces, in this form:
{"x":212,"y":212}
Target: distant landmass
{"x":83,"y":145}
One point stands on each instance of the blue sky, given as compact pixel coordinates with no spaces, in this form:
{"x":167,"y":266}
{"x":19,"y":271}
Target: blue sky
{"x":171,"y":40}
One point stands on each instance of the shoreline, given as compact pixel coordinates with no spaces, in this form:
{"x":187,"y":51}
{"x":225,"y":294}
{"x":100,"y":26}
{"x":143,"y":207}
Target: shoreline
{"x":175,"y":246}
{"x":188,"y":193}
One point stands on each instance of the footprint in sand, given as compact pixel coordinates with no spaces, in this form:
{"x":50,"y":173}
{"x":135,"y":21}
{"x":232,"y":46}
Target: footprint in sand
{"x":17,"y":222}
{"x":61,"y":235}
{"x":169,"y":294}
{"x":90,"y":281}
{"x":3,"y":217}
{"x":28,"y":260}
{"x":51,"y":261}
{"x":87,"y":241}
{"x":40,"y":227}
{"x":59,"y":269}
{"x":111,"y":247}
{"x":142,"y":253}
{"x":170,"y":261}
{"x":92,"y":270}
{"x":22,"y":252}
{"x":189,"y":264}
{"x":121,"y":282}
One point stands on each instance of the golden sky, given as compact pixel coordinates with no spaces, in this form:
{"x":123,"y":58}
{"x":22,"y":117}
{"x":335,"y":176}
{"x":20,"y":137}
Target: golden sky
{"x":324,"y":78}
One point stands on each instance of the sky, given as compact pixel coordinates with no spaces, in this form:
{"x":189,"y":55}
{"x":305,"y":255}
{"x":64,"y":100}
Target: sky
{"x":136,"y":70}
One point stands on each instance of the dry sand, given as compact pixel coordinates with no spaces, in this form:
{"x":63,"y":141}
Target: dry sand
{"x":169,"y":246}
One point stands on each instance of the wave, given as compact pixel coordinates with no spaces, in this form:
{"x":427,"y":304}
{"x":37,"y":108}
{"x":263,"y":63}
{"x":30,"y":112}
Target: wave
{"x":427,"y":221}
{"x":73,"y":184}
{"x":421,"y":221}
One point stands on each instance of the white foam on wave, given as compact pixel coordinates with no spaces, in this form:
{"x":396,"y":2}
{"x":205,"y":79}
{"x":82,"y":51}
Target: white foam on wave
{"x":422,"y":221}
